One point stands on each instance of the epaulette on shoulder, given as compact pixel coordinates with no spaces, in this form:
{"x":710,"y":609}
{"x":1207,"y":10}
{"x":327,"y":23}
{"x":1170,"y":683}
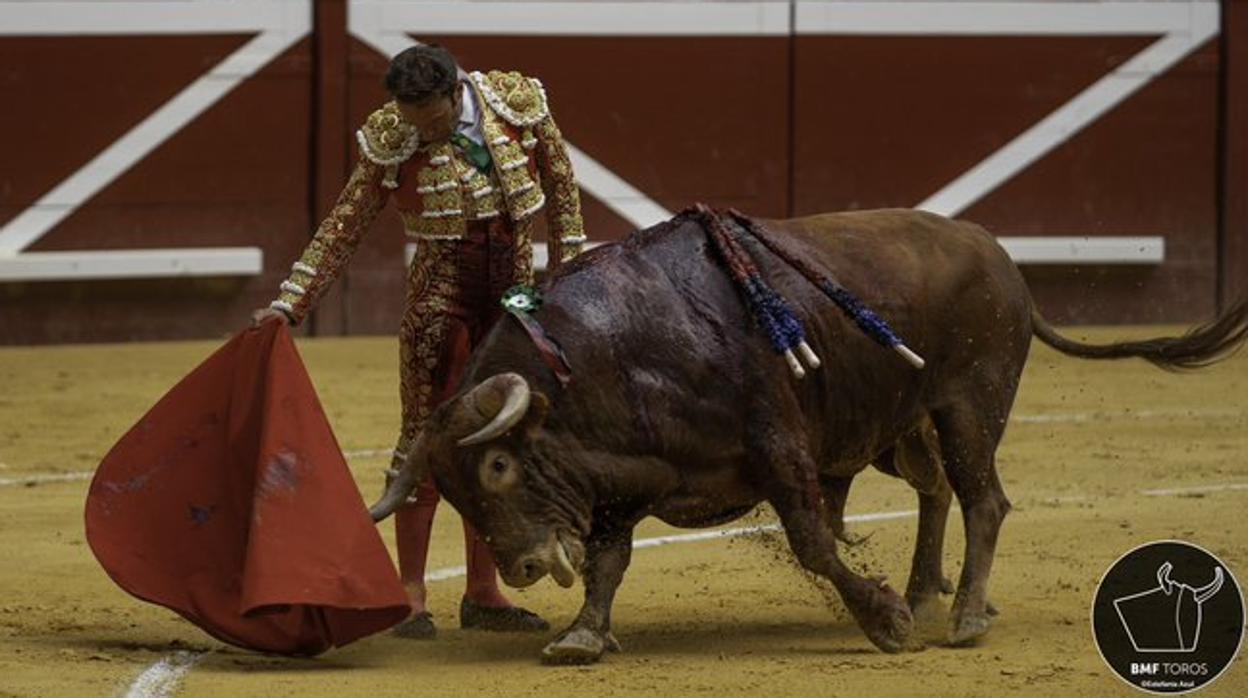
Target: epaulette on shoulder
{"x":385,"y":138}
{"x":519,"y":100}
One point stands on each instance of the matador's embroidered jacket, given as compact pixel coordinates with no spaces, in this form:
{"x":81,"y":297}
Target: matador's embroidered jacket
{"x":438,"y":191}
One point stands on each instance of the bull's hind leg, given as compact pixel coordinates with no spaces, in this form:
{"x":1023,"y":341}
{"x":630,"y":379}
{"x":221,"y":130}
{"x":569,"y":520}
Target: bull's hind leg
{"x":793,"y":490}
{"x":916,"y":458}
{"x":835,"y":494}
{"x":968,"y":437}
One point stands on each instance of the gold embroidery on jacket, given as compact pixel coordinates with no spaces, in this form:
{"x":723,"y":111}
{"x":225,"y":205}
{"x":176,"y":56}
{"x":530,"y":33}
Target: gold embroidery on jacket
{"x":336,"y":238}
{"x":563,"y":207}
{"x":518,"y":99}
{"x":482,"y":195}
{"x":387,"y":140}
{"x":512,"y":168}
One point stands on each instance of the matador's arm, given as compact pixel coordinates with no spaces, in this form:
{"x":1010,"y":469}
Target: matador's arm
{"x":334,"y":242}
{"x":563,"y":200}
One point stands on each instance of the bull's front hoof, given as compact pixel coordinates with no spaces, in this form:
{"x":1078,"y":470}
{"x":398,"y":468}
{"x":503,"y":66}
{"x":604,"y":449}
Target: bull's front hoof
{"x":579,"y":646}
{"x":946,"y":587}
{"x":967,"y":628}
{"x":889,"y":624}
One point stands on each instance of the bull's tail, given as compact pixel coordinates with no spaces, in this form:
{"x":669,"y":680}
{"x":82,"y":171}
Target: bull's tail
{"x":1201,"y":346}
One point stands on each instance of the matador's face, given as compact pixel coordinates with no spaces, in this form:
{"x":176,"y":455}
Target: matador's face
{"x":434,"y":119}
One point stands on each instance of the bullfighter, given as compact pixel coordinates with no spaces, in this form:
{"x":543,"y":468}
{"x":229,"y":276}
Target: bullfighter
{"x":469,"y":159}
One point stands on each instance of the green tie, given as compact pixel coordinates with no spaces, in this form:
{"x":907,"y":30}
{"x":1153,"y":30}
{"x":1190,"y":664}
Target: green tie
{"x":478,"y":155}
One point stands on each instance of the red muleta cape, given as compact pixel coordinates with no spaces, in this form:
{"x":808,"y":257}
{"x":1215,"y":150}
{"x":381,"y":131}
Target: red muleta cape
{"x":230,"y":503}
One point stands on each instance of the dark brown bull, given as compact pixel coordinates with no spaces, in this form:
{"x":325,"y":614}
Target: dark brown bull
{"x":680,"y":410}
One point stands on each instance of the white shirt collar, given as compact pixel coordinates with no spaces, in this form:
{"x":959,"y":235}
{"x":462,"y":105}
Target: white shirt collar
{"x":468,"y":107}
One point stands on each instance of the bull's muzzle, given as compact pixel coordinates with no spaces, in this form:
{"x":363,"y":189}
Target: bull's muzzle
{"x":553,"y":558}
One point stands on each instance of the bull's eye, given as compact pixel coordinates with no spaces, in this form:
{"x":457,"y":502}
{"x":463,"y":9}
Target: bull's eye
{"x":498,"y":471}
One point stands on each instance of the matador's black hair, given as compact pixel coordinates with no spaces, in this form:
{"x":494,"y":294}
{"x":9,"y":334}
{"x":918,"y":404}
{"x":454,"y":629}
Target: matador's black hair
{"x":421,"y":73}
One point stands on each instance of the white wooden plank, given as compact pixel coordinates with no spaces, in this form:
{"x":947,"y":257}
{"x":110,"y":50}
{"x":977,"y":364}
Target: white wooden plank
{"x":636,"y":18}
{"x":1009,"y":18}
{"x":1085,"y":250}
{"x":132,"y":264}
{"x":1099,"y":249}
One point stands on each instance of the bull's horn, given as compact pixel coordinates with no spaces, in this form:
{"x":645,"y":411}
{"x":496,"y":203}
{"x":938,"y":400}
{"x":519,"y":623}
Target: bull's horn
{"x":400,"y":486}
{"x":1163,"y":577}
{"x":1202,"y":594}
{"x":515,"y":405}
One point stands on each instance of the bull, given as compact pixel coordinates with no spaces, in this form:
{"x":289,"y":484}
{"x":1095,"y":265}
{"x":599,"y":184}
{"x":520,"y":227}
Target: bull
{"x":678,"y":410}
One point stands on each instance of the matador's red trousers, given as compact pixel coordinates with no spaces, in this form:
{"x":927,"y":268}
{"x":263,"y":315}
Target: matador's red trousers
{"x":454,"y":287}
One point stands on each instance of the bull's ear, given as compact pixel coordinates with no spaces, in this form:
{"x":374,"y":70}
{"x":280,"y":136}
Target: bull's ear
{"x":539,"y":407}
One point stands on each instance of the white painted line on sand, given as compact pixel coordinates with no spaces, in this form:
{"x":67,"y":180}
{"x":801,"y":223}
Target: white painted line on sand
{"x":39,"y":479}
{"x":1056,"y":418}
{"x":368,"y":453}
{"x":1067,"y":417}
{"x":1180,"y":491}
{"x":446,"y":573}
{"x":754,"y":530}
{"x":161,"y":679}
{"x":1073,"y":499}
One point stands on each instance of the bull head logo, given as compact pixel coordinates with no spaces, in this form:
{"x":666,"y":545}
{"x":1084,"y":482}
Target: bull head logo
{"x":1166,"y":618}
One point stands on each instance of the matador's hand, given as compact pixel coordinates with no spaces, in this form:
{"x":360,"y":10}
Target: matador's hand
{"x":263,"y":315}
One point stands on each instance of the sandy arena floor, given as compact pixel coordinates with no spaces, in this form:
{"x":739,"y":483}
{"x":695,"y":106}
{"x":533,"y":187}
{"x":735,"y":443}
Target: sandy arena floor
{"x":712,"y":618}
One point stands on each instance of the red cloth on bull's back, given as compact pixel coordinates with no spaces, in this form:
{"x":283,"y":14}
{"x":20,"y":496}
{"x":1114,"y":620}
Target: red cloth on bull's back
{"x":230,"y":503}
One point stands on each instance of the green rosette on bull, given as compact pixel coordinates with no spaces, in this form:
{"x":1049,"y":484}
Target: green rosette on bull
{"x":521,"y":299}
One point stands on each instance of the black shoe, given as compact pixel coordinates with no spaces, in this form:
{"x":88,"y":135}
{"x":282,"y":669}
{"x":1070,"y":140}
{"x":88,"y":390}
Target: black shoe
{"x":474,"y":616}
{"x":419,"y":626}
